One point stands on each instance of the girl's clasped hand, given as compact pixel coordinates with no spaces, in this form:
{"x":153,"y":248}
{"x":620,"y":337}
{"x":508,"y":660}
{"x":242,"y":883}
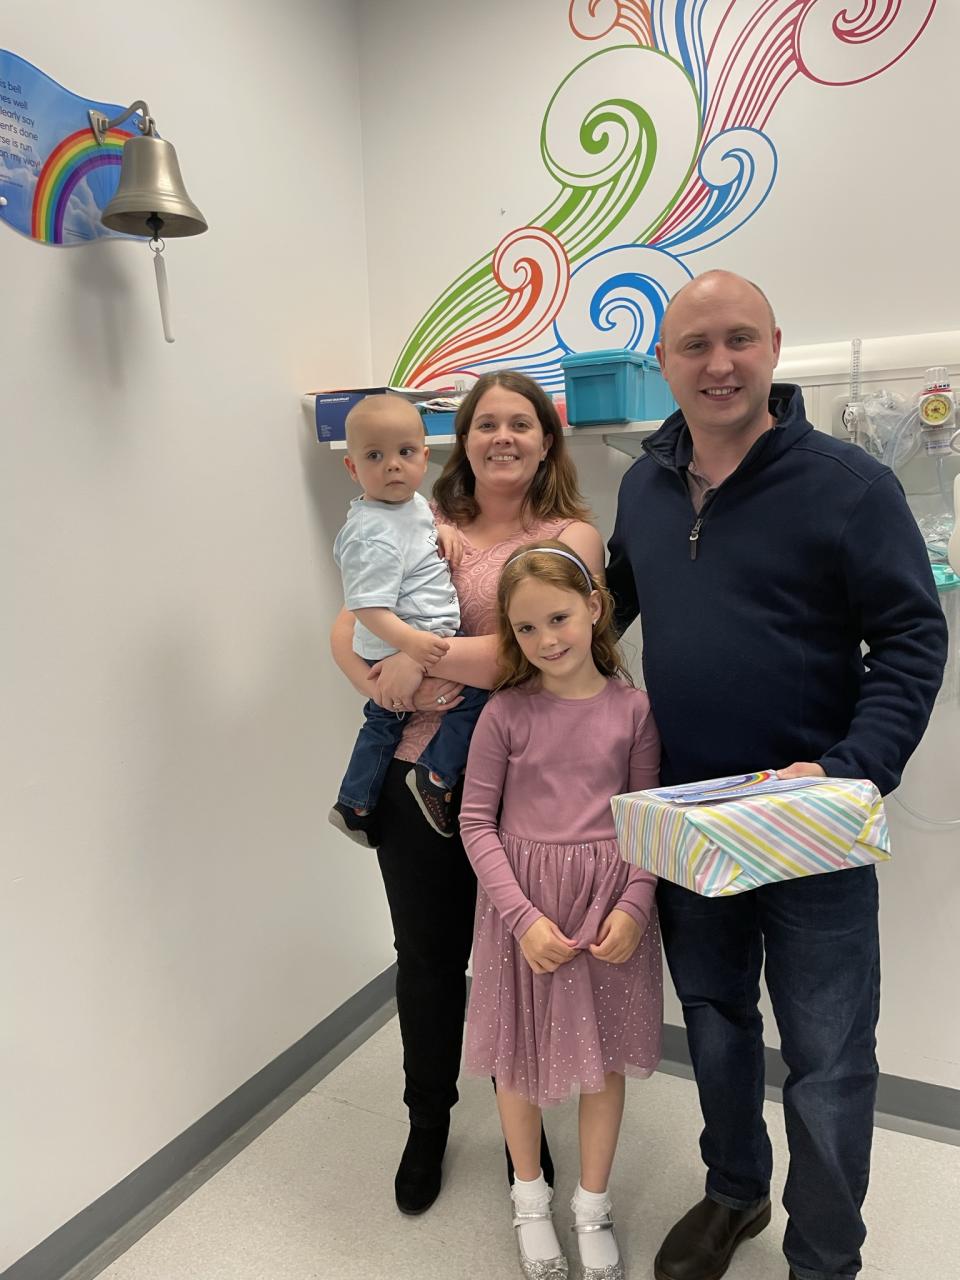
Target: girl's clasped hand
{"x":618,"y":938}
{"x":545,"y":947}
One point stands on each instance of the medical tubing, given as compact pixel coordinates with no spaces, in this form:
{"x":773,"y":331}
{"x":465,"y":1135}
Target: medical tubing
{"x":890,"y":452}
{"x":930,"y":822}
{"x":945,"y":493}
{"x":890,"y":458}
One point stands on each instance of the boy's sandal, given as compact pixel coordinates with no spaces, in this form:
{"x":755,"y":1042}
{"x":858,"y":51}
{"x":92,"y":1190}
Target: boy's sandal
{"x":434,"y":801}
{"x":360,"y":831}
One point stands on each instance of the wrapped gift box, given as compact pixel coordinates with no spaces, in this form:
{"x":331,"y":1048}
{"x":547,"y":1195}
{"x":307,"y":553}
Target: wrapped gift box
{"x":729,"y":835}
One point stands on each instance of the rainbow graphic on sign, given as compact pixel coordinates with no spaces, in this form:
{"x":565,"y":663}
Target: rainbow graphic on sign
{"x":67,"y":165}
{"x":54,"y":176}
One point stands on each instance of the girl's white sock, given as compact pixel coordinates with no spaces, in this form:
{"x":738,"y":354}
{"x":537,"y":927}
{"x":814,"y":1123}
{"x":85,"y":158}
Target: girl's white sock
{"x":539,"y":1239}
{"x":597,"y":1248}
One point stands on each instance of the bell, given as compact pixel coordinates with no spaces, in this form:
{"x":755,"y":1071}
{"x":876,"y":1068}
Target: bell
{"x":151,"y":186}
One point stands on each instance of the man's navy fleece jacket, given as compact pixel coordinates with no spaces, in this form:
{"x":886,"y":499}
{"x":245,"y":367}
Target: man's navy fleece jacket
{"x":752,"y":645}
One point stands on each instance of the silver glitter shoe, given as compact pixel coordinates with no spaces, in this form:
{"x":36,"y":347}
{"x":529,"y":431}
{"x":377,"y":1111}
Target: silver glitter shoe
{"x":539,"y":1268}
{"x":615,"y":1270}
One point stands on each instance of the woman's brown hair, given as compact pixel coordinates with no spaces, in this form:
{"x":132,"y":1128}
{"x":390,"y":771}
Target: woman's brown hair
{"x":554,"y":492}
{"x":540,"y":560}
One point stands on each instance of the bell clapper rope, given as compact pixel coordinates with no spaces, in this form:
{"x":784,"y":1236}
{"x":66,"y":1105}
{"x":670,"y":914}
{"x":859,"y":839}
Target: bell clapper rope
{"x":163,"y":291}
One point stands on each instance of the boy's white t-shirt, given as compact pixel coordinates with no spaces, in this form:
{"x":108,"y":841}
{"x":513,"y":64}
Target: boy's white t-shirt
{"x":387,"y":556}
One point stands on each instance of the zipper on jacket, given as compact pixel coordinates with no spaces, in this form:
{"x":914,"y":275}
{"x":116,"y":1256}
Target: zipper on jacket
{"x":694,"y":537}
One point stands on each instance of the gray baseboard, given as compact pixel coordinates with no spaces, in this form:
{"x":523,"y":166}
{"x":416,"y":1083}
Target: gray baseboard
{"x":68,"y":1246}
{"x":82,"y":1246}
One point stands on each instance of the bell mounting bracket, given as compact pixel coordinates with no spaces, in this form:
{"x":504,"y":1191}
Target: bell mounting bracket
{"x":101,"y":125}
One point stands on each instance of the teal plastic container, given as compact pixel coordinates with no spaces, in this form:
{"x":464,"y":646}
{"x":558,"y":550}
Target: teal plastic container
{"x":439,"y":424}
{"x":614,"y":386}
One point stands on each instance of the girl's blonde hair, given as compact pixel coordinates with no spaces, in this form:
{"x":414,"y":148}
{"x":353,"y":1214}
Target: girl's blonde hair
{"x":554,"y":563}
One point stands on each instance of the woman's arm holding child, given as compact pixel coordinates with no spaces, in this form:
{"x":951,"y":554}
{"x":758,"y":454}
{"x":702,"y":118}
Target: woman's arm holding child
{"x":470,"y":660}
{"x":473,"y":659}
{"x":467,"y":660}
{"x":363,"y":679}
{"x":373,"y":573}
{"x":544,"y":946}
{"x":422,"y":646}
{"x":367,"y":680}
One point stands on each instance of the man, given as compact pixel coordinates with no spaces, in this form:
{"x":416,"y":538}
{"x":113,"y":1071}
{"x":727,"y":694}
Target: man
{"x":760,"y":554}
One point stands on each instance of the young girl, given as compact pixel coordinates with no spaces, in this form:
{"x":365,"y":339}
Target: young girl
{"x":567,"y":989}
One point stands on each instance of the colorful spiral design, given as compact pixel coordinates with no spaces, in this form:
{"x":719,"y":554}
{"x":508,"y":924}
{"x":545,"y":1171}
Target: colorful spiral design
{"x":659,"y":149}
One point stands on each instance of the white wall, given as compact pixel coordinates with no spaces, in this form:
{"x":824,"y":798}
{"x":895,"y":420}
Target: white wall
{"x":175,"y":910}
{"x":453,"y":98}
{"x":856,"y":226}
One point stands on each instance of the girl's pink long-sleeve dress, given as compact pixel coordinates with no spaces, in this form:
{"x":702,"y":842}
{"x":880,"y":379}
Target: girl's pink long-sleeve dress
{"x":550,"y":849}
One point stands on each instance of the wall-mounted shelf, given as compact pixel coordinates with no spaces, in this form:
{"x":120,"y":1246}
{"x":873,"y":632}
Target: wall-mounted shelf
{"x":625,"y":437}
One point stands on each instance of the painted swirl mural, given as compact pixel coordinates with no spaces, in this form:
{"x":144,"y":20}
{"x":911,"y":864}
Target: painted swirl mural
{"x":660,"y":148}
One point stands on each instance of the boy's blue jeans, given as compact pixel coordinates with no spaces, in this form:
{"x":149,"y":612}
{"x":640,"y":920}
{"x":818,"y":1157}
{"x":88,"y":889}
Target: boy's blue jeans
{"x":445,"y":753}
{"x":820,"y":941}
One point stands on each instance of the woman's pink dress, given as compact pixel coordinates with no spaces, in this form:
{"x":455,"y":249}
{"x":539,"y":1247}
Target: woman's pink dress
{"x":475,"y":579}
{"x":538,"y":828}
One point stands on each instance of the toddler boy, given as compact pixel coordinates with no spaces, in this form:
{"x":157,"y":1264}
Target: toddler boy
{"x":400,"y":591}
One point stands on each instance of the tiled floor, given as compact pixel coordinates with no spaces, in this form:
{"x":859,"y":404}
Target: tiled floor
{"x":311,"y":1198}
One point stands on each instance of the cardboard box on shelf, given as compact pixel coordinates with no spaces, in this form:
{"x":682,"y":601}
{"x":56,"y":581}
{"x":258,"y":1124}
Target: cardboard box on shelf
{"x":331,"y":407}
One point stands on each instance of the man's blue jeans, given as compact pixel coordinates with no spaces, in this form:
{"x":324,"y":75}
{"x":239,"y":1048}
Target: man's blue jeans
{"x":819,"y":938}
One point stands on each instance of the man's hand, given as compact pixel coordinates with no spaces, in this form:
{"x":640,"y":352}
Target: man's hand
{"x":425,"y":648}
{"x":618,"y":938}
{"x":450,"y":542}
{"x":545,"y":948}
{"x":802,"y":769}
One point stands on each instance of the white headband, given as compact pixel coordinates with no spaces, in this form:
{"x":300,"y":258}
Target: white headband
{"x":554,"y":551}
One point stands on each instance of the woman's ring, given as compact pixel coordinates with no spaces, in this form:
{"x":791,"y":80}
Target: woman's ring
{"x":441,"y":701}
{"x":397,"y":705}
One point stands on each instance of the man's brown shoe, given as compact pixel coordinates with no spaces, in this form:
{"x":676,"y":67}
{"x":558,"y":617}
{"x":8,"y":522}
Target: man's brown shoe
{"x":701,"y":1244}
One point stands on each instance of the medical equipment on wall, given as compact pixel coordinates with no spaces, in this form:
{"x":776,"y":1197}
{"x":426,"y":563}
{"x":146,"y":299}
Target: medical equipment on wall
{"x":953,"y":546}
{"x":897,"y":431}
{"x":921,"y":433}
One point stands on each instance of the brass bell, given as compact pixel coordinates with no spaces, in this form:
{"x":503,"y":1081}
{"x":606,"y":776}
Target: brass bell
{"x":151,"y":187}
{"x":150,"y":199}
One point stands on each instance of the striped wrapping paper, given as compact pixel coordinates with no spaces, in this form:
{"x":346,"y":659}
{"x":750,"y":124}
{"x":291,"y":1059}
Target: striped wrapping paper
{"x":721,"y":849}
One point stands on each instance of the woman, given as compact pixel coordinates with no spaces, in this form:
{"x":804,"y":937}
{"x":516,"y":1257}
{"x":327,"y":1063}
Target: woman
{"x":508,"y":480}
